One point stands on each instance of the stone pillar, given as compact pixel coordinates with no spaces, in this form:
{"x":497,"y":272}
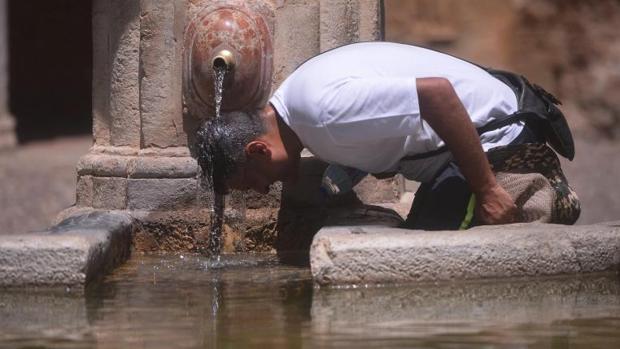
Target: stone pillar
{"x":307,"y":28}
{"x":140,"y":159}
{"x":7,"y":123}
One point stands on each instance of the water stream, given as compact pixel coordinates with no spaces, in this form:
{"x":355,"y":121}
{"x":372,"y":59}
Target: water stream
{"x":218,"y":204}
{"x":219,"y":73}
{"x":217,"y":223}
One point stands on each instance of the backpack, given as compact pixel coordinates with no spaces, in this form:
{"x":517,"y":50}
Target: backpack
{"x":538,"y":108}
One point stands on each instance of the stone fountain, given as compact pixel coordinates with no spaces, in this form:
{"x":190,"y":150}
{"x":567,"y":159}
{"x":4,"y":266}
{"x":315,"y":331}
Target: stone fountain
{"x":153,"y":86}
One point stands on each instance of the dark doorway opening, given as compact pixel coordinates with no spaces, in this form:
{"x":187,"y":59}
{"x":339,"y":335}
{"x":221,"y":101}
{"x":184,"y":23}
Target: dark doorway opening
{"x":50,"y":67}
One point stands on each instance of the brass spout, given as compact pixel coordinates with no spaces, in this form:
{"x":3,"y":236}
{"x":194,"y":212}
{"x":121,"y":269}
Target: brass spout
{"x":224,"y":59}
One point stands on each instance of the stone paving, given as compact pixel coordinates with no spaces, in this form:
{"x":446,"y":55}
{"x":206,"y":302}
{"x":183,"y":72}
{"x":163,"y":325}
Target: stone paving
{"x":37,"y":182}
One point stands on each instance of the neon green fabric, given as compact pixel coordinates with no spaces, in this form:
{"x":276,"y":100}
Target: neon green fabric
{"x":469,"y":214}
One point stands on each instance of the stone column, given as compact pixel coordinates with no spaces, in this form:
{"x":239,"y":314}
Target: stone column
{"x":7,"y":123}
{"x":140,"y":158}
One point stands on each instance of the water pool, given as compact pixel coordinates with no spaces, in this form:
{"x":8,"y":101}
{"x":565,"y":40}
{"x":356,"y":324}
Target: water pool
{"x":182,"y":301}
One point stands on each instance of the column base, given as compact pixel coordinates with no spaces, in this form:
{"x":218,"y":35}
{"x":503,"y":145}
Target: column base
{"x":120,"y":178}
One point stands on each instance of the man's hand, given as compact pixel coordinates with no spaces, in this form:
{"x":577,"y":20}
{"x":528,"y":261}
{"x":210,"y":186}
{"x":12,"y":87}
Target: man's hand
{"x":495,"y":206}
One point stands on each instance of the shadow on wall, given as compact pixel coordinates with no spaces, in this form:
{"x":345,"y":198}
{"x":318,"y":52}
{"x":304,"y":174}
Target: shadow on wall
{"x":50,"y":67}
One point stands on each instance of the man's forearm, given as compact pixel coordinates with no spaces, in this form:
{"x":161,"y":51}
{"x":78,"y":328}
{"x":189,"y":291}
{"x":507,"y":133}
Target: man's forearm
{"x":441,"y":107}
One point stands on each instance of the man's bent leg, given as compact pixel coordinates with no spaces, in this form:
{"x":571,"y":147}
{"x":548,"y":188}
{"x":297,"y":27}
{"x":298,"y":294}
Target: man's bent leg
{"x":443,"y":204}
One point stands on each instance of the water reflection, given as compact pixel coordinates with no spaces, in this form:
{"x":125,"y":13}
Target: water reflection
{"x":251,"y":301}
{"x":527,"y":312}
{"x":237,"y":303}
{"x":39,"y":317}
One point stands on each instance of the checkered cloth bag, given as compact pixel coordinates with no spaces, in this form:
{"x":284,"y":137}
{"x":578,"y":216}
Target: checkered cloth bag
{"x":532,"y":175}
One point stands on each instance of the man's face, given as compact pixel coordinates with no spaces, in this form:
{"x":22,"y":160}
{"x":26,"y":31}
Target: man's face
{"x":260,"y":172}
{"x":251,"y":177}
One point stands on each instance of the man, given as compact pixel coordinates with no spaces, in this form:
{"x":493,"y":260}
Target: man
{"x":387,"y":108}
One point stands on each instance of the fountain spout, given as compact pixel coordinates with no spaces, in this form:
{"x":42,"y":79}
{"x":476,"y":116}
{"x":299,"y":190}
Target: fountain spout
{"x":224,"y":59}
{"x":232,"y":36}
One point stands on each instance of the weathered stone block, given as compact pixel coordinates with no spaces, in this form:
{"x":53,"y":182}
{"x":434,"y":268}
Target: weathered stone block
{"x":161,"y":194}
{"x":296,"y":37}
{"x":339,"y":23}
{"x":347,"y":21}
{"x":84,"y":191}
{"x":361,"y":255}
{"x":74,"y":252}
{"x":371,"y":21}
{"x":109,"y":193}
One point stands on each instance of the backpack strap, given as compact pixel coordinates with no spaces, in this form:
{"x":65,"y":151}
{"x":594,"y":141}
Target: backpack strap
{"x":528,"y":117}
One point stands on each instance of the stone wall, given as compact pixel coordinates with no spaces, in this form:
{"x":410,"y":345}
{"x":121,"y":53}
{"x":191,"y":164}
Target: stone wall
{"x":570,"y":47}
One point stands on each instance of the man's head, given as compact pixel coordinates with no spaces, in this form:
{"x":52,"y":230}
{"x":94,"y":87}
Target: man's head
{"x":242,"y":150}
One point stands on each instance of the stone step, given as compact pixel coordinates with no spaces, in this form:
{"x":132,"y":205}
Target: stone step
{"x":80,"y":249}
{"x":376,"y":255}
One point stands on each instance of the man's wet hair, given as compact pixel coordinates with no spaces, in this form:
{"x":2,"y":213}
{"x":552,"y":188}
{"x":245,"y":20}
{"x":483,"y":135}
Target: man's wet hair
{"x":220,"y":145}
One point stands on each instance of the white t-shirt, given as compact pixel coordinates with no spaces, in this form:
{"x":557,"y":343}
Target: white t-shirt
{"x":357,"y":105}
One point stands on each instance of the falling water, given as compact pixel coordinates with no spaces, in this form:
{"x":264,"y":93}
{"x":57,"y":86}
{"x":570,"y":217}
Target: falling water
{"x":217,"y":215}
{"x":207,"y":194}
{"x":219,"y":75}
{"x":217,"y":222}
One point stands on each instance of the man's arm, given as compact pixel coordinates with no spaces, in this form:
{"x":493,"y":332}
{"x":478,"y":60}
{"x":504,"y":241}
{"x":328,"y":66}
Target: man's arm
{"x":442,"y":109}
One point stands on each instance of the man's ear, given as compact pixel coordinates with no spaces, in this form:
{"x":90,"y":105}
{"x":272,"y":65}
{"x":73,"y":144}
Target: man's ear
{"x":257,"y":149}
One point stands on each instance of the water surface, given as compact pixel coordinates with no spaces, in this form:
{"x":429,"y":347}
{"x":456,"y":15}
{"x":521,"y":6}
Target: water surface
{"x":184,"y":301}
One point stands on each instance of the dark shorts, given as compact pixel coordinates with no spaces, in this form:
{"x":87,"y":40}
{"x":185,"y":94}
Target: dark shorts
{"x":447,"y":203}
